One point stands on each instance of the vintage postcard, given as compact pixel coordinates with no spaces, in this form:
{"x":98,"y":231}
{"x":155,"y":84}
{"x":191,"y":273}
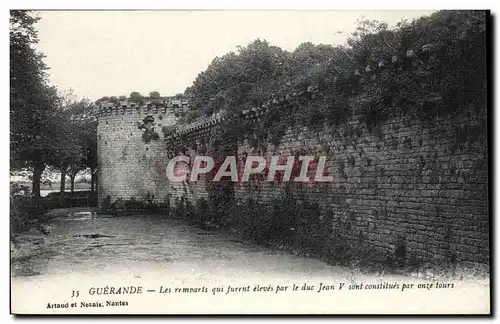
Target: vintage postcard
{"x":249,"y":162}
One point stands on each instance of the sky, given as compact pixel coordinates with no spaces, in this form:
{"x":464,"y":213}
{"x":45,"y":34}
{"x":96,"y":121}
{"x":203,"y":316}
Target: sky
{"x":112,"y":53}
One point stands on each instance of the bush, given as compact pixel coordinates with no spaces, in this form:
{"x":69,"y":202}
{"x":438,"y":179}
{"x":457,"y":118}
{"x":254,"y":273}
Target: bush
{"x":120,"y":207}
{"x":255,"y":222}
{"x":133,"y":204}
{"x":25,"y":211}
{"x":70,"y":199}
{"x":289,"y":223}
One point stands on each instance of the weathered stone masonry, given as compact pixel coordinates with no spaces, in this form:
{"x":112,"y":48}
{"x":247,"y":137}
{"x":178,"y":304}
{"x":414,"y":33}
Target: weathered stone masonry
{"x":421,"y":181}
{"x":129,"y":167}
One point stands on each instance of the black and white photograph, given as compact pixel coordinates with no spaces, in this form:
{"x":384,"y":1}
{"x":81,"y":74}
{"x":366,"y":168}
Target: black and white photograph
{"x":250,"y":162}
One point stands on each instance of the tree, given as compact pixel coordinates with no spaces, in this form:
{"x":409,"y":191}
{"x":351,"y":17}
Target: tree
{"x":39,"y":126}
{"x":86,"y":116}
{"x":27,"y":85}
{"x":114,"y":99}
{"x":136,"y":96}
{"x":31,"y":100}
{"x":81,"y":146}
{"x":154,"y":95}
{"x":69,"y":138}
{"x":235,"y":78}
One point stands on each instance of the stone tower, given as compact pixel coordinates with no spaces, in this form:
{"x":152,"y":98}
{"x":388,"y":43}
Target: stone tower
{"x":130,"y":162}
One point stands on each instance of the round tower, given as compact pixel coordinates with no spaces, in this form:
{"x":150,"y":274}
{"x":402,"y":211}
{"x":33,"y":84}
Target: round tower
{"x":132,"y":155}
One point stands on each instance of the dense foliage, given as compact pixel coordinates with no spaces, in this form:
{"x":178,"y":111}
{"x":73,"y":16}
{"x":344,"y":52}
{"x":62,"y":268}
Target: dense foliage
{"x":47,"y":127}
{"x":136,"y":97}
{"x":433,"y":65}
{"x":32,"y":115}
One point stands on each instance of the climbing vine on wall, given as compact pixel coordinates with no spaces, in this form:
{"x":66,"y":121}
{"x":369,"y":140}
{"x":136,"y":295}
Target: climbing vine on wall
{"x":148,"y":129}
{"x":433,"y":66}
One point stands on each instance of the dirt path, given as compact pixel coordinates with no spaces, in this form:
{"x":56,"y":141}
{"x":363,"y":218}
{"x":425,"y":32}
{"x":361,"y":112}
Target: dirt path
{"x":84,"y":247}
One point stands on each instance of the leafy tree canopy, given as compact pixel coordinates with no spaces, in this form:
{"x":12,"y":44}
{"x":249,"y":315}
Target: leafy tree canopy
{"x":434,"y":64}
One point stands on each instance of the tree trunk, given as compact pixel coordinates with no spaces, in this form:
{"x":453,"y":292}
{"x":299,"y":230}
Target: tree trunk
{"x":73,"y":176}
{"x":92,"y":179}
{"x":63,"y":181}
{"x":37,"y":175}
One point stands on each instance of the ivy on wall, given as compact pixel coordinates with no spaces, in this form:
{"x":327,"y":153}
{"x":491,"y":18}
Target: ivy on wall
{"x":432,"y":69}
{"x":433,"y":66}
{"x":148,"y":129}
